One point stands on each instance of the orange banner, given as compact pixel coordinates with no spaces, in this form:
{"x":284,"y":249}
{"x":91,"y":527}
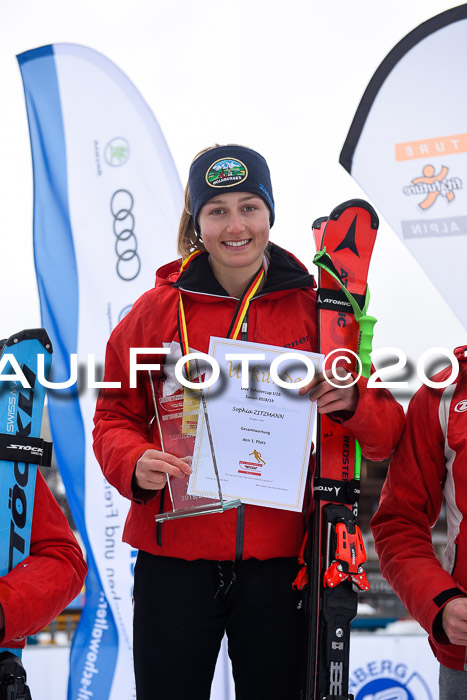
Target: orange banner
{"x":430,"y":148}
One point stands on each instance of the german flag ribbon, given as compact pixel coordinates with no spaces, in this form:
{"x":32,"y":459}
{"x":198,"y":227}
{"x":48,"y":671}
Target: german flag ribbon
{"x":239,"y":313}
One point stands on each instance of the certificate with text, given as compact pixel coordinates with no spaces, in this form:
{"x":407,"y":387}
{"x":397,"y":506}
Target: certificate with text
{"x":256,"y":423}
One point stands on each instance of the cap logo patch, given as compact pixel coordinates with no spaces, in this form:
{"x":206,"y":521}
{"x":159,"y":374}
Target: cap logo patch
{"x":226,"y":172}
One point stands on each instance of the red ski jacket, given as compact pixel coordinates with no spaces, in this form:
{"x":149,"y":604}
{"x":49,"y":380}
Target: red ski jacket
{"x":283,"y":314}
{"x":43,"y":584}
{"x":429,"y":463}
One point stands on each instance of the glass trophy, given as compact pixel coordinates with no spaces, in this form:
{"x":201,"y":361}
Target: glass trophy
{"x":182,"y":424}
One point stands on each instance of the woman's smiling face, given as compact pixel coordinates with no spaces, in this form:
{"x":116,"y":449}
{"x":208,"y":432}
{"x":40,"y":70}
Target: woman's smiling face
{"x":235,"y":231}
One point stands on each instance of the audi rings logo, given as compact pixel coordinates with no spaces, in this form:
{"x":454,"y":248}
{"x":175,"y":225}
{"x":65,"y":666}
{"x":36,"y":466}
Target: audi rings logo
{"x":126,"y":245}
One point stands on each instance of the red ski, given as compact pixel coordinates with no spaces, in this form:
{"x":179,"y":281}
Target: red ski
{"x":336,"y":553}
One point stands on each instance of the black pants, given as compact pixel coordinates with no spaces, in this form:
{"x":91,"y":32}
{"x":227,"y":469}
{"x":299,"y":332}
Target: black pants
{"x":182,"y":610}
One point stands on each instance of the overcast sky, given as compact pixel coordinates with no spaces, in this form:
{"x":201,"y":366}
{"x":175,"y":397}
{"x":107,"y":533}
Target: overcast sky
{"x":282,"y":77}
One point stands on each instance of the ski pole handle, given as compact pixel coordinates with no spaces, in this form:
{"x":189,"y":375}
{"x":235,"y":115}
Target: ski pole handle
{"x":366,"y":339}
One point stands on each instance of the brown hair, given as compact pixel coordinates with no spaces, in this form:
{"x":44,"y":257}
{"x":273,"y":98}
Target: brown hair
{"x":188,"y":240}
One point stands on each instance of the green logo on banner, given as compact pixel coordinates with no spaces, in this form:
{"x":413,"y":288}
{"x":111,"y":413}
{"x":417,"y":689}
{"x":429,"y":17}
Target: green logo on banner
{"x":117,"y":152}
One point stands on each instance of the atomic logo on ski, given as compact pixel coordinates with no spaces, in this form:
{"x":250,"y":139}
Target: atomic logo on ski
{"x":349,"y":239}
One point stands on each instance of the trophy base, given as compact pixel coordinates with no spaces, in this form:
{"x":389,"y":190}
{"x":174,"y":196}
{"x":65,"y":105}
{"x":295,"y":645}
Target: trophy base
{"x":206,"y":509}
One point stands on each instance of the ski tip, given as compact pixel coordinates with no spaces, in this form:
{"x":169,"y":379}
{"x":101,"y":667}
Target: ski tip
{"x":39,"y":334}
{"x":355,"y":203}
{"x":318,"y":223}
{"x":318,"y":228}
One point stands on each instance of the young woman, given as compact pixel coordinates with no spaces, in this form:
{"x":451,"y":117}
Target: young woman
{"x":199,"y":577}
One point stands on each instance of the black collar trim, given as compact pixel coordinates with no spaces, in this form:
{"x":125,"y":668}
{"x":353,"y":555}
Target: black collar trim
{"x":284,"y":273}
